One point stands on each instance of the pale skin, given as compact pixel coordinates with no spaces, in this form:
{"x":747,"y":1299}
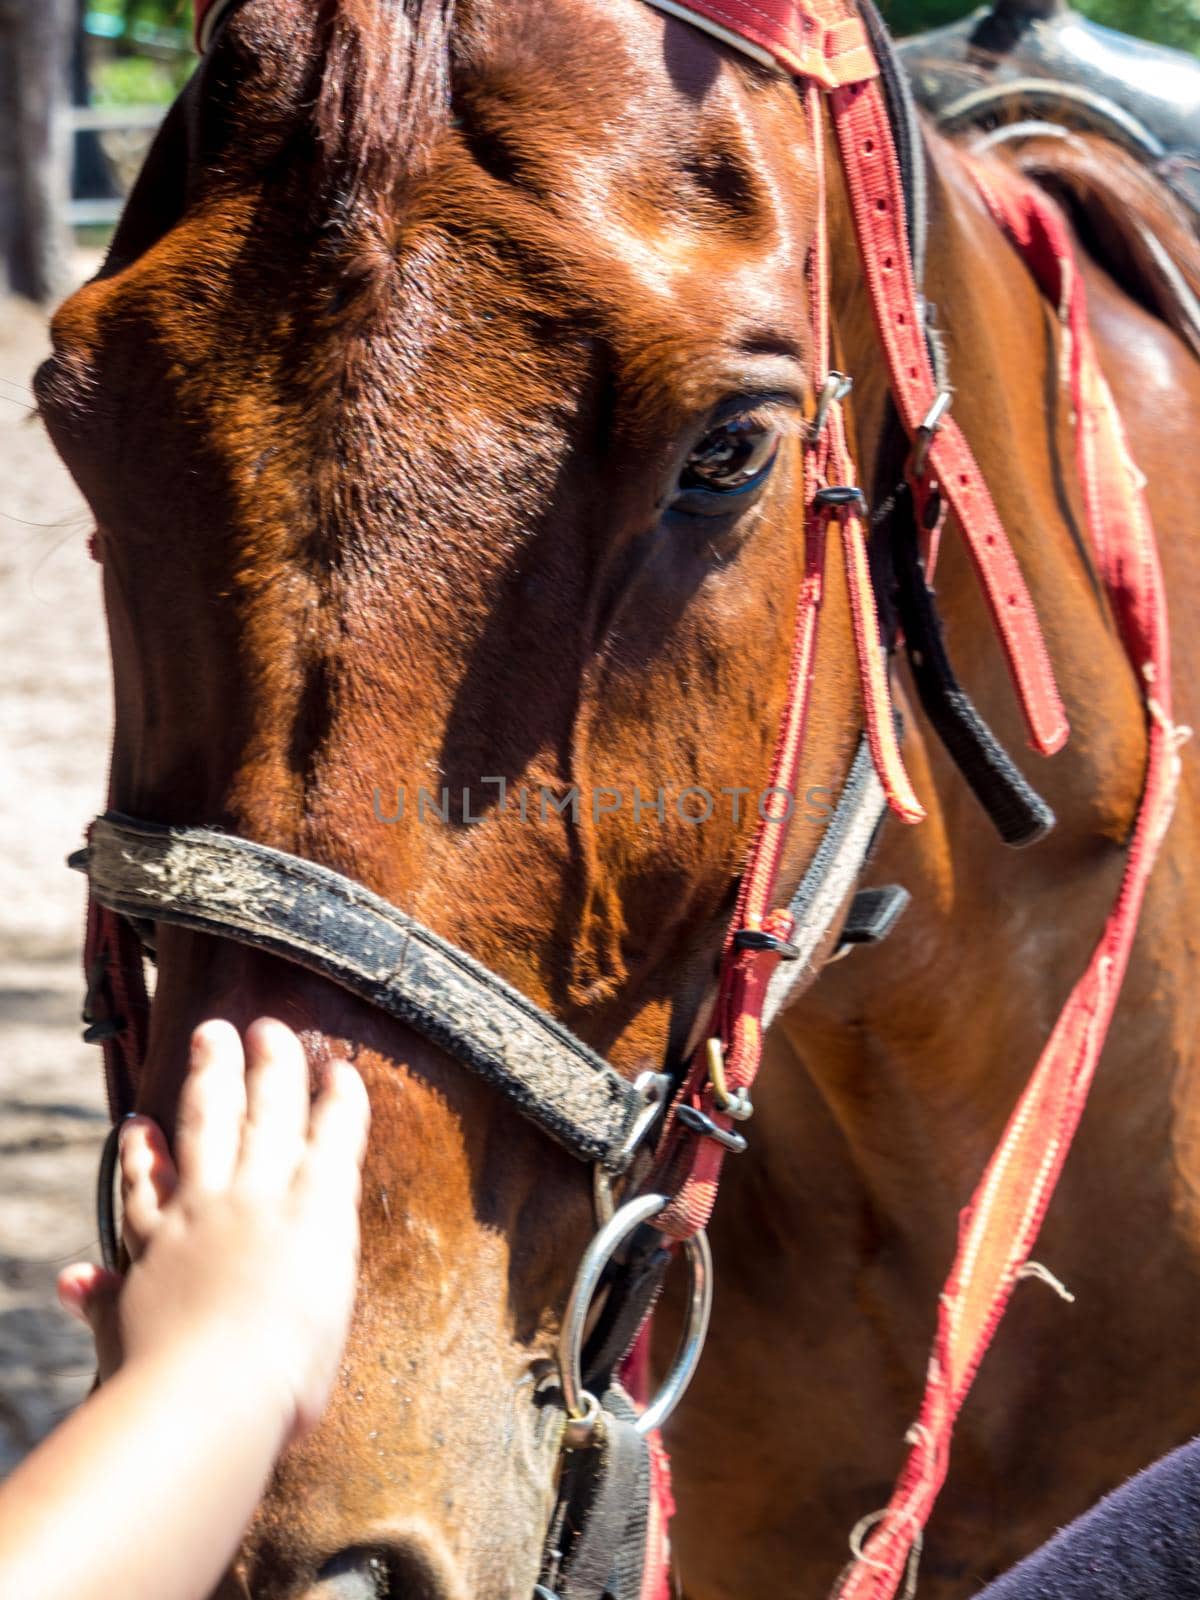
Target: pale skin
{"x":219,"y":1346}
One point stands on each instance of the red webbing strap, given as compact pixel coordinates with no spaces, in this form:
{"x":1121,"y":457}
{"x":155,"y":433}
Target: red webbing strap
{"x":823,"y":41}
{"x":999,"y":1227}
{"x":638,"y":1381}
{"x":690,"y":1166}
{"x":877,"y":200}
{"x":745,"y":974}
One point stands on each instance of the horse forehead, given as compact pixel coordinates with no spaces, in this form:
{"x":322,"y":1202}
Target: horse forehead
{"x":602,"y":152}
{"x":623,"y":55}
{"x":599,"y":161}
{"x":622,"y":91}
{"x":655,"y":242}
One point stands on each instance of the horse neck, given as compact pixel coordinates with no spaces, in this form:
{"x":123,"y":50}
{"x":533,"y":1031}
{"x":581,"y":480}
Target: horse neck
{"x":918,"y":1050}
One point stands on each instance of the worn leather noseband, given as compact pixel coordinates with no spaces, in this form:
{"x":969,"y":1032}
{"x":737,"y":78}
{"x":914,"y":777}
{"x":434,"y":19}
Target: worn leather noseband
{"x":235,"y":889}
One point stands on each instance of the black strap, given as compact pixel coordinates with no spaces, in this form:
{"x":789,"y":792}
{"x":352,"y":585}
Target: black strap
{"x":596,"y":1545}
{"x":873,"y":914}
{"x":1018,"y":812}
{"x":631,"y":1286}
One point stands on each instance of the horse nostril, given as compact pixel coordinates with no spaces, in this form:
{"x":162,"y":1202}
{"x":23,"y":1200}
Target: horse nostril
{"x":405,"y":1570}
{"x":353,"y":1575}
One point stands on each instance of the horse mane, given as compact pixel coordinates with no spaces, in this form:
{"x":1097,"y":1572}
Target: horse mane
{"x":1127,"y":221}
{"x":384,"y":86}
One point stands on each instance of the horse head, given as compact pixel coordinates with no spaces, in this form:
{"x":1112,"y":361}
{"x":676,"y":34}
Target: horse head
{"x":441,"y":407}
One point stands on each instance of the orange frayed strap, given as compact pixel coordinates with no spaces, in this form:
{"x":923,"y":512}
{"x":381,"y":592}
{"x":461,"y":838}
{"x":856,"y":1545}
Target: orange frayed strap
{"x":822,"y":40}
{"x":877,"y":200}
{"x":999,"y":1227}
{"x":872,"y":664}
{"x":1103,"y":461}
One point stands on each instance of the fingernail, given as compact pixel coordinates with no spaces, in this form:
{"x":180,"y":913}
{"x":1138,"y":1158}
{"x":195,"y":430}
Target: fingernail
{"x":72,"y":1294}
{"x":124,"y":1125}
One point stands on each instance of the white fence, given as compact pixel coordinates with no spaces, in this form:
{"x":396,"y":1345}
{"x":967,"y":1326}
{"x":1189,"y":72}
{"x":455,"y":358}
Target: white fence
{"x":105,"y":119}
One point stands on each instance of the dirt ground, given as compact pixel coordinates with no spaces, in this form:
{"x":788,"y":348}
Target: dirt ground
{"x":54,"y":733}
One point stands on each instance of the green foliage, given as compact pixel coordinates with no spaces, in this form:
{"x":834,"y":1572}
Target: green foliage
{"x":159,"y":13}
{"x":145,"y":57}
{"x":1173,"y":22}
{"x":138,"y":81}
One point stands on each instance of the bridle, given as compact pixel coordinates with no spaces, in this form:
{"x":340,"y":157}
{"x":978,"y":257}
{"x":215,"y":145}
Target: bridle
{"x":664,"y":1136}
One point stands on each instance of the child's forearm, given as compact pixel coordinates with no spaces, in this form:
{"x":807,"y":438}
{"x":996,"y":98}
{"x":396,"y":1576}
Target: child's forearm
{"x":145,"y":1491}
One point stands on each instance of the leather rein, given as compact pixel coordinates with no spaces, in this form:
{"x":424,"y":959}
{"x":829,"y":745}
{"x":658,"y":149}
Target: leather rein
{"x":666,"y":1134}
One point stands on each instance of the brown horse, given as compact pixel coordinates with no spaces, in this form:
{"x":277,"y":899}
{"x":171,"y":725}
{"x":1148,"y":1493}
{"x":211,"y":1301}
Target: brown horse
{"x":391,"y":402}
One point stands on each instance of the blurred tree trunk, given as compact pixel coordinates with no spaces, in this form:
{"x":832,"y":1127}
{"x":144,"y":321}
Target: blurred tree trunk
{"x":35,"y":50}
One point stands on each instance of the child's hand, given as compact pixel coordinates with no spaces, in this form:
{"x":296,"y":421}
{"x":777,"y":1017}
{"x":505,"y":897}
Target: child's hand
{"x":245,"y":1250}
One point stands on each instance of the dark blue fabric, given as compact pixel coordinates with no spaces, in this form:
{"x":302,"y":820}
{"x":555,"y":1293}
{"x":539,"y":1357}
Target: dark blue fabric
{"x":1140,"y":1543}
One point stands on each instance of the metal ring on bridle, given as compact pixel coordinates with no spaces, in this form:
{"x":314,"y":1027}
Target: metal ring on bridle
{"x":596,"y":1257}
{"x":107,"y":1224}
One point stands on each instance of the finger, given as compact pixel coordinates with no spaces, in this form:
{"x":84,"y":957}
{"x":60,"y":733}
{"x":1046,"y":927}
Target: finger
{"x":212,"y":1108}
{"x":277,"y":1104}
{"x":148,"y":1180}
{"x":90,"y":1294}
{"x":79,"y":1283}
{"x":337,"y":1133}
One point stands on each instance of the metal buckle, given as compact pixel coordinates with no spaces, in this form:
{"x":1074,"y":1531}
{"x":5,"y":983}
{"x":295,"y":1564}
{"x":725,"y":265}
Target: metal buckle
{"x":700,"y":1122}
{"x":924,"y":435}
{"x":734,"y":1103}
{"x":840,"y":497}
{"x":759,"y":939}
{"x":577,"y":1434}
{"x":102,"y":1032}
{"x":655,"y":1089}
{"x":582,"y":1407}
{"x":836,"y":387}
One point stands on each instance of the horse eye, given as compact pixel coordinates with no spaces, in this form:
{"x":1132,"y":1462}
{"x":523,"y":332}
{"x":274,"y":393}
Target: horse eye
{"x":729,"y":460}
{"x":729,"y":457}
